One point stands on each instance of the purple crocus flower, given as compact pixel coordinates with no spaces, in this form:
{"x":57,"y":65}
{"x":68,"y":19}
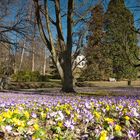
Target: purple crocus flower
{"x":69,"y":124}
{"x":132,"y":134}
{"x":34,"y":115}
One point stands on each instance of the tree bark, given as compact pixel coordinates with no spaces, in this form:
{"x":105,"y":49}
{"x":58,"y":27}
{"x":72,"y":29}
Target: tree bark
{"x":67,"y":83}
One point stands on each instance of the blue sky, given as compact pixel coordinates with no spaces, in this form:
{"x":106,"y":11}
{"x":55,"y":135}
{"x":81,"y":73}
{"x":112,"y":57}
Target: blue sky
{"x":132,"y":6}
{"x":129,"y":3}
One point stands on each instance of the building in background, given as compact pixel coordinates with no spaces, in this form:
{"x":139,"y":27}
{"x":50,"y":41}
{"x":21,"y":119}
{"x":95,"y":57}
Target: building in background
{"x":80,"y":61}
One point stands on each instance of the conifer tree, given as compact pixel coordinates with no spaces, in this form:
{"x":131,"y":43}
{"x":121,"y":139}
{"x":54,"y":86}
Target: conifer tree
{"x":120,"y":39}
{"x":98,"y":66}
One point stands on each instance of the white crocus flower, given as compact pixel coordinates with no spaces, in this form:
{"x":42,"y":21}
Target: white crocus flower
{"x":8,"y":128}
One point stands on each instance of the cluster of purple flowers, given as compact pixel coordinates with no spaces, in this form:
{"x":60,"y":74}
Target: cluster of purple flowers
{"x":77,"y":116}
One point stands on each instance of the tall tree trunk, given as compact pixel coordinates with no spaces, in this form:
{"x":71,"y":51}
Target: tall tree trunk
{"x":33,"y":57}
{"x":67,"y":83}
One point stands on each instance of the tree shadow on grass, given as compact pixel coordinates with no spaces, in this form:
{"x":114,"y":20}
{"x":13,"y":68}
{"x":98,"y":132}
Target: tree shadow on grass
{"x":81,"y":91}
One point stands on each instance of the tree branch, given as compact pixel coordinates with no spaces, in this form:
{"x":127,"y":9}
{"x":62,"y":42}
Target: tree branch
{"x":53,"y":51}
{"x":51,"y":20}
{"x":59,"y":25}
{"x":40,"y":26}
{"x":69,"y":24}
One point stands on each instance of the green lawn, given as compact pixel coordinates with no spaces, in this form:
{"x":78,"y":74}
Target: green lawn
{"x":110,"y":84}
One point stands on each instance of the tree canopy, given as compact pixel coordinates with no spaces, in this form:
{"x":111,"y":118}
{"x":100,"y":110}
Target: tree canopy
{"x":120,"y":38}
{"x":112,"y":44}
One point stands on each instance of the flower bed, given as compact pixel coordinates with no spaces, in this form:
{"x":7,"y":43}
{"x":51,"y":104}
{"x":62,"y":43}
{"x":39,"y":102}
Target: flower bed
{"x":69,"y":117}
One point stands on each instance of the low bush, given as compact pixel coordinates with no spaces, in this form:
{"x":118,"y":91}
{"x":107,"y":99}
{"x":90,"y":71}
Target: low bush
{"x":29,"y":76}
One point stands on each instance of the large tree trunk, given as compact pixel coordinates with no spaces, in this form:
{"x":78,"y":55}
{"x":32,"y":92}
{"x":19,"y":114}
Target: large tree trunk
{"x":67,"y":83}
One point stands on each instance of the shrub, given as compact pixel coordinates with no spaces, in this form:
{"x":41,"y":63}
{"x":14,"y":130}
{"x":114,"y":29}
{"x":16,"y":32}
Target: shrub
{"x":35,"y":76}
{"x":28,"y":76}
{"x":43,"y":78}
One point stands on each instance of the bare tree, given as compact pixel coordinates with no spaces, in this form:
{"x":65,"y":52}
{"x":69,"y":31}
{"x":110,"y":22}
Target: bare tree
{"x":63,"y":62}
{"x":13,"y":27}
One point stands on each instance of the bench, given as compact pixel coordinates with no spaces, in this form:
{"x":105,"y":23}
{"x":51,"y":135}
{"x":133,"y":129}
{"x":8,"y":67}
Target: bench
{"x":112,"y":80}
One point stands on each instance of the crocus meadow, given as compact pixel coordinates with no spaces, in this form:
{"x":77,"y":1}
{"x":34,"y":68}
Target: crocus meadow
{"x":45,"y":117}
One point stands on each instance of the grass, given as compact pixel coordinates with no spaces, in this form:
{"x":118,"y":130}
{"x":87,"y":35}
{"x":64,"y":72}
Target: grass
{"x":96,"y":93}
{"x":87,"y":88}
{"x":110,"y":84}
{"x":103,"y":93}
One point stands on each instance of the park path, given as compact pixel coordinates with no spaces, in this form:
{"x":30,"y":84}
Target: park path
{"x":132,"y":91}
{"x":112,"y":90}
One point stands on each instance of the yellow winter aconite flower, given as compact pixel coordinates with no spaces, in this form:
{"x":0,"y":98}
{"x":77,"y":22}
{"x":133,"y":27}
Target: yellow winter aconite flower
{"x":92,"y":104}
{"x":67,"y":112}
{"x":16,"y":111}
{"x":138,"y":101}
{"x":70,"y":107}
{"x":107,"y":108}
{"x":47,"y":109}
{"x":21,"y":124}
{"x":33,"y":137}
{"x":118,"y":128}
{"x":127,"y":118}
{"x":75,"y":117}
{"x":26,"y":113}
{"x":18,"y":122}
{"x":97,"y":115}
{"x":14,"y":120}
{"x":7,"y":114}
{"x":120,"y":106}
{"x":125,"y":110}
{"x":36,"y":126}
{"x":43,"y":115}
{"x":1,"y":119}
{"x":60,"y":124}
{"x":103,"y":135}
{"x":109,"y":120}
{"x":113,"y":107}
